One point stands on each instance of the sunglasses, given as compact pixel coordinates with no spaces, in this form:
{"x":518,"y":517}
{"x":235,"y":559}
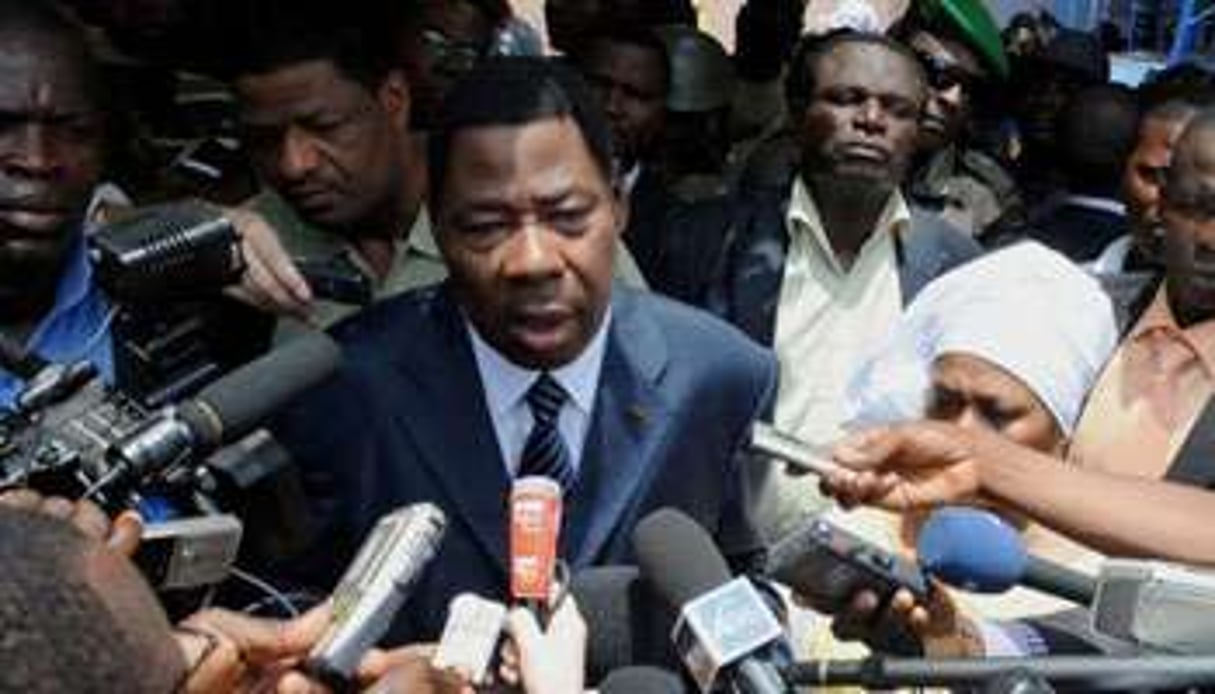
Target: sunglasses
{"x":450,"y":55}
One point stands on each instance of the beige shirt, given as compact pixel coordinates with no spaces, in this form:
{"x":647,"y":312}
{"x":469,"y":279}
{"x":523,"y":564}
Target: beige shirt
{"x":827,"y":316}
{"x":1149,"y":396}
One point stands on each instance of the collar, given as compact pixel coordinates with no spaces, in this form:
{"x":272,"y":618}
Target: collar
{"x":628,"y":180}
{"x":802,"y":218}
{"x":76,"y":283}
{"x":506,"y":383}
{"x":1200,"y":337}
{"x":421,"y":235}
{"x":1092,"y":202}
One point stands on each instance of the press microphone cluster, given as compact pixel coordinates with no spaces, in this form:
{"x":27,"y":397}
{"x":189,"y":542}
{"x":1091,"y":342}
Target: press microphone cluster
{"x":1148,"y":603}
{"x":725,"y":629}
{"x":1081,"y":673}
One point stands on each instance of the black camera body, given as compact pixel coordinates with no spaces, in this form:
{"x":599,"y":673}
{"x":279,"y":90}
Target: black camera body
{"x":98,"y":443}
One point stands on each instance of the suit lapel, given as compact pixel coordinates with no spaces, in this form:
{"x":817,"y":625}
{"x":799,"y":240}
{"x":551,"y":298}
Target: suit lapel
{"x":453,"y":429}
{"x":761,"y":270}
{"x":627,"y":427}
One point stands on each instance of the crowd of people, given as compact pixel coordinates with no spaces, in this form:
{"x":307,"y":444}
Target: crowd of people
{"x":966,"y":260}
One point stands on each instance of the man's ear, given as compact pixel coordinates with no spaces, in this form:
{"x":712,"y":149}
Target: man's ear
{"x":393,"y":96}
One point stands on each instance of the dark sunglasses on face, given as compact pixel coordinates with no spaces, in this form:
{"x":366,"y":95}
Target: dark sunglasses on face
{"x":450,"y":55}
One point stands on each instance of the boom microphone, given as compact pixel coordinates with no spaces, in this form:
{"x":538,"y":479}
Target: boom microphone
{"x":225,"y":411}
{"x":974,"y":550}
{"x":724,"y":625}
{"x":1083,"y":673}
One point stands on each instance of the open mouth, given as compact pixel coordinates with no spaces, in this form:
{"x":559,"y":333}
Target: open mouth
{"x":542,"y":330}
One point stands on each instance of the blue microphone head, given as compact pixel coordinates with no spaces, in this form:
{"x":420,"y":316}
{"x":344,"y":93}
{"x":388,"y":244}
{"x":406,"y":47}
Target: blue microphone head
{"x":972,"y":549}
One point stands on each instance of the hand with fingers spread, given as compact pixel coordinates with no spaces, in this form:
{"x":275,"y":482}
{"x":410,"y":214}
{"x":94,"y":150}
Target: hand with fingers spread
{"x":271,"y":280}
{"x":121,"y":533}
{"x":232,"y":652}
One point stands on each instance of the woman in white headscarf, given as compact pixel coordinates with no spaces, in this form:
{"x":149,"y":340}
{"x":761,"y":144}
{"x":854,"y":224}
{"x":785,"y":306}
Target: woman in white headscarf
{"x":1012,"y":341}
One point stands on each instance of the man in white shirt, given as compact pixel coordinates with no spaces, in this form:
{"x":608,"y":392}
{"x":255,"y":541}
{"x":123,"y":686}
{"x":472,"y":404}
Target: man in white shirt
{"x":527,"y":361}
{"x":824,"y":266}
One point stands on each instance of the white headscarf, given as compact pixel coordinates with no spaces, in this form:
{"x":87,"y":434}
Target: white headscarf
{"x":1025,"y":308}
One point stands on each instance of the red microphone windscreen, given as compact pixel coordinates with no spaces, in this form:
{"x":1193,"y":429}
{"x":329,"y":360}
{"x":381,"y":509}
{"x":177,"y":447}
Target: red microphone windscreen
{"x":535,"y":523}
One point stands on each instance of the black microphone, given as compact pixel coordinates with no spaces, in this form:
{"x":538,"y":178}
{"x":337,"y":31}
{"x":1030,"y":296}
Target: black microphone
{"x":609,"y":600}
{"x":1084,"y":673}
{"x":724,"y":624}
{"x":224,"y":411}
{"x":642,"y":679}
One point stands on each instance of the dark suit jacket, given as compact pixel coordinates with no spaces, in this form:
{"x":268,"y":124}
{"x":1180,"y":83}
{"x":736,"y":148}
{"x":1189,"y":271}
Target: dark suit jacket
{"x":1077,"y":231}
{"x":747,"y":289}
{"x":405,"y":421}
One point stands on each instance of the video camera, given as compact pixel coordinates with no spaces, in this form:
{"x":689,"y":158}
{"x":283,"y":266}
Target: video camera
{"x":70,"y":435}
{"x":154,"y":441}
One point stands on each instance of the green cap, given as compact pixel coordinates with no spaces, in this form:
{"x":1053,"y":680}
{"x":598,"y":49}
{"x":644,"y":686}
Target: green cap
{"x":973,"y":23}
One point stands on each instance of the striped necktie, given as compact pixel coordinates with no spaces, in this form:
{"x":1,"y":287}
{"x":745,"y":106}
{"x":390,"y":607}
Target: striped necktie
{"x":545,"y":453}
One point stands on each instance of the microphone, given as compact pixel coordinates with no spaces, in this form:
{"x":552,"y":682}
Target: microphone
{"x":641,"y":679}
{"x":535,"y":523}
{"x":374,"y":587}
{"x":724,"y":625}
{"x":802,"y":456}
{"x":1154,"y":604}
{"x":974,"y":550}
{"x":223,"y":412}
{"x":609,"y":598}
{"x":1083,"y":673}
{"x":470,"y":637}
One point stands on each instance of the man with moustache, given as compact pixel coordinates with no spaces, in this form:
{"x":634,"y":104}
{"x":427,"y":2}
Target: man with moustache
{"x":526,"y":361}
{"x":824,"y":266}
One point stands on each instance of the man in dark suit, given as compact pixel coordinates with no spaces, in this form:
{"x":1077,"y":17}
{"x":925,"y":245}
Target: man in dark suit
{"x":1097,"y":134}
{"x":822,"y":267}
{"x":526,"y":361}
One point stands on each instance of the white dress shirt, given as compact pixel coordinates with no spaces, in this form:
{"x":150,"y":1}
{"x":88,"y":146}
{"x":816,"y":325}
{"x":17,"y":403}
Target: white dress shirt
{"x":505,"y":385}
{"x":828,"y":316}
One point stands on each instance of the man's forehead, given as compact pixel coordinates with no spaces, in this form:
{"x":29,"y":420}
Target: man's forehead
{"x":871,"y":65}
{"x":35,"y":75}
{"x":305,"y":85}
